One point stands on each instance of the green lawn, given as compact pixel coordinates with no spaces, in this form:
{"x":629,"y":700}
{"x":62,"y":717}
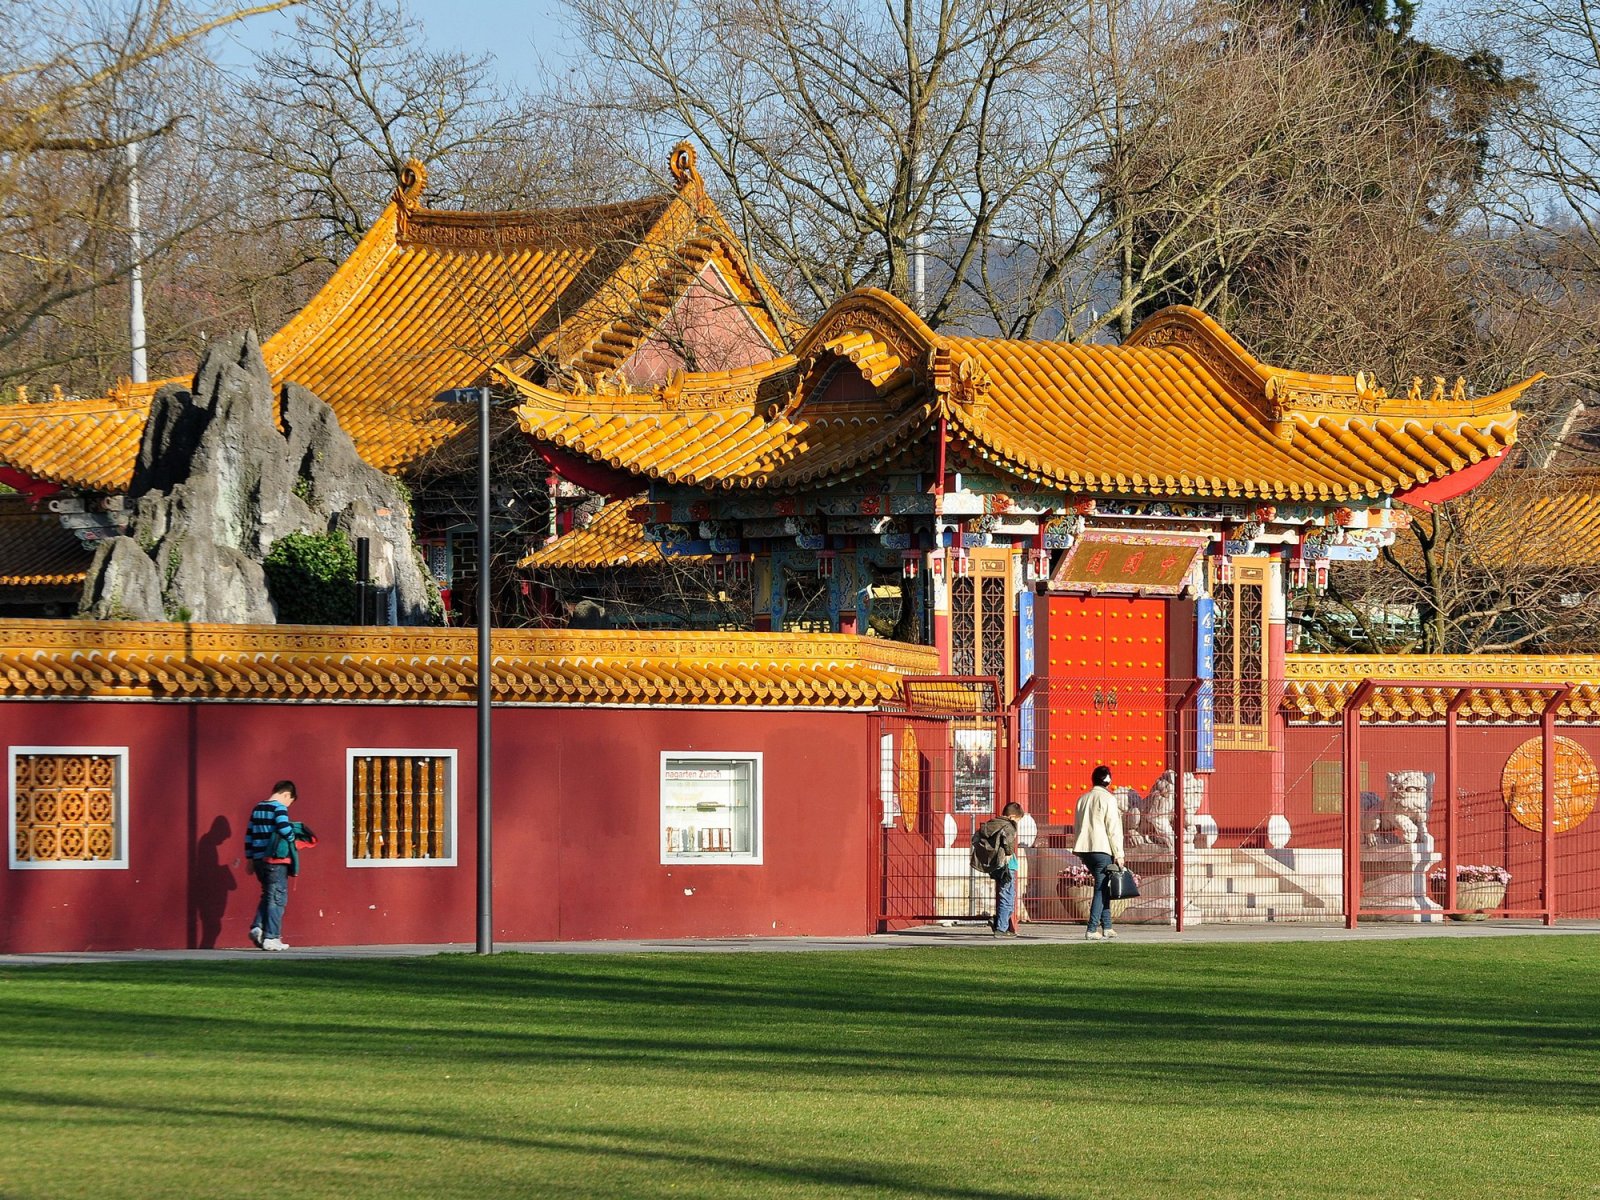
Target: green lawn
{"x":1414,"y":1068}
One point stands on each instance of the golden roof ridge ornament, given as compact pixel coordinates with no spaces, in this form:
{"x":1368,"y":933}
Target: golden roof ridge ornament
{"x":682,"y":164}
{"x":413,"y":179}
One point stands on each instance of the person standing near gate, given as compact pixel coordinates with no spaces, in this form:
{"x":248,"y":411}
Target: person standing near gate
{"x":1098,"y":822}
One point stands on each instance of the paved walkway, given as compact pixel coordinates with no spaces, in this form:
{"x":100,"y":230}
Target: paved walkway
{"x":931,"y":935}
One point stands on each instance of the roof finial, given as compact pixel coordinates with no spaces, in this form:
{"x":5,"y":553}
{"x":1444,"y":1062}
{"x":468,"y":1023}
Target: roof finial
{"x":682,"y":164}
{"x":413,"y":178}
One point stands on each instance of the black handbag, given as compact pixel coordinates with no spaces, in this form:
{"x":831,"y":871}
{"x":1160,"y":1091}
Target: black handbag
{"x":1120,"y":883}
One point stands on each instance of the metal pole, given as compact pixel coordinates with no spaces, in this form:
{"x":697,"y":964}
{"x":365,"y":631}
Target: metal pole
{"x":136,"y":268}
{"x":485,"y":690}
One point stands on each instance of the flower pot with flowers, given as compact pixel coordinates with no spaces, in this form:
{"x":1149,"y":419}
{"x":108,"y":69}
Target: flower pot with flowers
{"x":1075,"y":887}
{"x":1477,"y":888}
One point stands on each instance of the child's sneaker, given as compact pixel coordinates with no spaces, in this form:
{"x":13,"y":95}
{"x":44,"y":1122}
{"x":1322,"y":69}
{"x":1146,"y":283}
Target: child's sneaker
{"x":1110,"y":933}
{"x":274,"y":944}
{"x":1094,"y":935}
{"x":255,"y":935}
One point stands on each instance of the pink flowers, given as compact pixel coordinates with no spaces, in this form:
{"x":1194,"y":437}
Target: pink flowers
{"x":1466,"y":873}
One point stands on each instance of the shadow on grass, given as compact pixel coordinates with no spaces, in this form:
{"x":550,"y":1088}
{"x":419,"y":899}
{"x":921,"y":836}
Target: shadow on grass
{"x":643,"y":1148}
{"x":1369,"y":1021}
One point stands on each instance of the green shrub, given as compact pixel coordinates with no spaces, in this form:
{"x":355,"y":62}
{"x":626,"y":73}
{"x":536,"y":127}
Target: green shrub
{"x":312,"y":578}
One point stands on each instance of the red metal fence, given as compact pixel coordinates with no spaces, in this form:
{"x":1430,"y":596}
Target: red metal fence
{"x":1370,"y":814}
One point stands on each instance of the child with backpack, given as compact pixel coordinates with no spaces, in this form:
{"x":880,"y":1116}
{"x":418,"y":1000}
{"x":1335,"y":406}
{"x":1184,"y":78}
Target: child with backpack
{"x":994,"y":852}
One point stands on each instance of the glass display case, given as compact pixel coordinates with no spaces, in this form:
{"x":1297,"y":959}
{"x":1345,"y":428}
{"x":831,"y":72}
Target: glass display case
{"x":710,"y":807}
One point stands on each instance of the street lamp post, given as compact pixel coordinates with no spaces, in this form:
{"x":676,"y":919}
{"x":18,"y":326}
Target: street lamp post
{"x":485,"y":672}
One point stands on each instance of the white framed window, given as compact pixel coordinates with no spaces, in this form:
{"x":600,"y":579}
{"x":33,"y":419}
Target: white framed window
{"x":68,"y":808}
{"x":400,"y":807}
{"x":710,"y":807}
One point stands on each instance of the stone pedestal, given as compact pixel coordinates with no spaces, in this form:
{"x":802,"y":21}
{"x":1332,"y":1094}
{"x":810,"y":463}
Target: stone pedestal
{"x":1394,"y":877}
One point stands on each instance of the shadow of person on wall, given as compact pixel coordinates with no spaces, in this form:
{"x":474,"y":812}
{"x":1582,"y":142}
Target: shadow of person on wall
{"x":212,"y":882}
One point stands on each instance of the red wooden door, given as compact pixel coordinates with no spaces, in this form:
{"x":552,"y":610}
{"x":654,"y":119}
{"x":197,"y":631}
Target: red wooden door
{"x":1105,"y":664}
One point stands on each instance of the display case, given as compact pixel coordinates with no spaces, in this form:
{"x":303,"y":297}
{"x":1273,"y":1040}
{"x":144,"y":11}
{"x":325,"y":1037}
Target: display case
{"x":710,"y":807}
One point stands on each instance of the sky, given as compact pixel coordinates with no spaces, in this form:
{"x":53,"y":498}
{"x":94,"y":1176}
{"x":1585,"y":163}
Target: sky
{"x":526,"y":37}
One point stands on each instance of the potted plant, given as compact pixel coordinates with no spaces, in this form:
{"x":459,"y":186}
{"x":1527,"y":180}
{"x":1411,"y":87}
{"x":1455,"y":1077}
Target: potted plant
{"x":1075,"y":886}
{"x":1478,"y":887}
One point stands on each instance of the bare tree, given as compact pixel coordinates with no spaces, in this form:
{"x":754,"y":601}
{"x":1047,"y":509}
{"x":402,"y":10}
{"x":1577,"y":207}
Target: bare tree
{"x":333,"y":113}
{"x":87,"y":80}
{"x":849,"y":138}
{"x":1499,"y":570}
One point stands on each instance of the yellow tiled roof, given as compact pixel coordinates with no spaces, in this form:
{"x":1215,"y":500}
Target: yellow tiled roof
{"x":611,"y":539}
{"x":1319,"y":686}
{"x":1179,"y":410}
{"x":88,"y":444}
{"x":431,"y":299}
{"x":168,"y":661}
{"x":36,"y":550}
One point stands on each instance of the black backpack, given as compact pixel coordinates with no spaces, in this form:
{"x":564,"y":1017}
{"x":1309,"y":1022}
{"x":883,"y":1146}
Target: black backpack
{"x":989,"y":851}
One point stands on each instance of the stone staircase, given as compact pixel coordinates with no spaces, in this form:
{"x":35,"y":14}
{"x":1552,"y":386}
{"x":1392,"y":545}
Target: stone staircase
{"x":1264,"y":885}
{"x":1219,"y":885}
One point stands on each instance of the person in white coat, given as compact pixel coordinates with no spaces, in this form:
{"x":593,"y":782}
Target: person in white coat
{"x":1098,"y":822}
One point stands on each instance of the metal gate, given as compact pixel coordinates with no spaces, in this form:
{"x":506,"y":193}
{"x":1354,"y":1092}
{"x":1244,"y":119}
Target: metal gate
{"x":944,"y":767}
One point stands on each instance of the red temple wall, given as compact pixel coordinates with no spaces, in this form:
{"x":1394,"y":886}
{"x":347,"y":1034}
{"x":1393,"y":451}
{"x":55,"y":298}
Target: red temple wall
{"x":577,"y":827}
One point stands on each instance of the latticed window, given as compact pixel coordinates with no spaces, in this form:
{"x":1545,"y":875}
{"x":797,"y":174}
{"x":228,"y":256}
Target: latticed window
{"x":963,"y":625}
{"x":1241,"y":656}
{"x":402,"y":807}
{"x":981,"y":607}
{"x":67,"y":807}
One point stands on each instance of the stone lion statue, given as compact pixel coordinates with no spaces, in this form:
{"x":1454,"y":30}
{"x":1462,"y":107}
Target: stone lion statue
{"x":1402,"y":814}
{"x":1129,"y":804}
{"x":1160,"y":809}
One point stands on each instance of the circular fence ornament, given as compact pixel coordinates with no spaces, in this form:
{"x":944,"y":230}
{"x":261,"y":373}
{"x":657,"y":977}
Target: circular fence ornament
{"x":1577,"y":784}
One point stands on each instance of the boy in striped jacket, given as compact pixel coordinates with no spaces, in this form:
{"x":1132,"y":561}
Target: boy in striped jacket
{"x":269,"y":845}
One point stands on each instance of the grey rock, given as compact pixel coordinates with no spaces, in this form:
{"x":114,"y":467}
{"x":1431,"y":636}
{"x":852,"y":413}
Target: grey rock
{"x":217,"y":483}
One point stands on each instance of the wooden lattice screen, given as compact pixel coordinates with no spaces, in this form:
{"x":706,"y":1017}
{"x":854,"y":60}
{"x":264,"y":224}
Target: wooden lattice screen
{"x":66,"y":807}
{"x":400,"y":806}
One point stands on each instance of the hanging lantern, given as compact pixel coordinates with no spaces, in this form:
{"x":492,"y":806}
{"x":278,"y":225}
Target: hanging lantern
{"x":1224,"y":571}
{"x":741,"y":567}
{"x":1299,"y":570}
{"x":962,"y":565}
{"x":719,"y":569}
{"x":936,"y":564}
{"x":825,"y":563}
{"x":910,"y":564}
{"x":1322,"y":574}
{"x":1038,"y":566}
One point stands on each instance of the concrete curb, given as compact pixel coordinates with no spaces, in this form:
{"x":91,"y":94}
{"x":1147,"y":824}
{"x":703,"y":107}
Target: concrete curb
{"x":924,"y":936}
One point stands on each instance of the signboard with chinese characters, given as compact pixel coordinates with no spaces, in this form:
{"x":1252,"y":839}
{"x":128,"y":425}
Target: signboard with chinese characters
{"x":1138,"y":563}
{"x":1205,"y":715}
{"x":1025,"y":634}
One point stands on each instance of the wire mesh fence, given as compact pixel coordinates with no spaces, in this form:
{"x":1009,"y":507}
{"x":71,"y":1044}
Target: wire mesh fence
{"x":1409,"y":814}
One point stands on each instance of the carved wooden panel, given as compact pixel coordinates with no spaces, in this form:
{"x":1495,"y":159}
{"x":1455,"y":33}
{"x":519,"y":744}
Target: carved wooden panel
{"x":67,"y":807}
{"x":400,"y":806}
{"x":1242,"y":711}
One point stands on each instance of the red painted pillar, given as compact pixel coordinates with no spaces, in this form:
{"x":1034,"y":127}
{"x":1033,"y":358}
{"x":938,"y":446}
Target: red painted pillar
{"x":1547,"y":751}
{"x":1451,"y":787}
{"x":1352,"y":802}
